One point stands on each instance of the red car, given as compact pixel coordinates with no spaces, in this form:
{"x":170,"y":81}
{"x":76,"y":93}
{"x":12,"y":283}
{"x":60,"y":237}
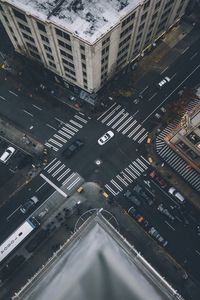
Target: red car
{"x":154,"y":175}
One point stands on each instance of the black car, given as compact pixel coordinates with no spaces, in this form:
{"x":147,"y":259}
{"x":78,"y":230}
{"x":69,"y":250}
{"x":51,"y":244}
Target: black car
{"x":72,"y":148}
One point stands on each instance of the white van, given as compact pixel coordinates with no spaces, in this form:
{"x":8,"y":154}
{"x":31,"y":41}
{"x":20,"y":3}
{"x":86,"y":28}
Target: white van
{"x":7,"y":154}
{"x":176,"y":194}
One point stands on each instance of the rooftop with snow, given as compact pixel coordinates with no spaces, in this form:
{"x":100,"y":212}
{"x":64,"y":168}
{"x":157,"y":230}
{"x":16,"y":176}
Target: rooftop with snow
{"x":88,"y":19}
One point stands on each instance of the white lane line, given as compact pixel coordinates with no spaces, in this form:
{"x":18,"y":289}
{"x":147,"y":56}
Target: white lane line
{"x":122,"y":180}
{"x":173,"y":76}
{"x":116,"y":185}
{"x":53,"y":185}
{"x":54,"y":166}
{"x":145,"y":160}
{"x":137,"y":111}
{"x":60,"y":138}
{"x":152,"y":97}
{"x":37,"y":107}
{"x":51,"y":146}
{"x":144,"y":89}
{"x":69,"y":178}
{"x":111,"y":190}
{"x":63,"y":174}
{"x":77,"y":124}
{"x":3,"y":98}
{"x":13,"y":213}
{"x":40,"y":187}
{"x":28,"y":113}
{"x":170,"y":225}
{"x":193,"y":56}
{"x":81,"y":119}
{"x":163,"y":71}
{"x":60,"y":121}
{"x":170,"y":94}
{"x":51,"y":126}
{"x":13,"y":93}
{"x":197,"y":252}
{"x":73,"y":183}
{"x":185,"y":50}
{"x":105,"y":112}
{"x":55,"y":142}
{"x":50,"y":163}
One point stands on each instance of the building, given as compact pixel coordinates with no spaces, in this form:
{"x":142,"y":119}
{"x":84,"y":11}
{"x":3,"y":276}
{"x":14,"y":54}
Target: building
{"x":97,"y":263}
{"x":185,"y":138}
{"x":87,"y":41}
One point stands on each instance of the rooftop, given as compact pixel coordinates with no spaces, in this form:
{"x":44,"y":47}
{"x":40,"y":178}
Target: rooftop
{"x":97,"y":263}
{"x":88,"y":19}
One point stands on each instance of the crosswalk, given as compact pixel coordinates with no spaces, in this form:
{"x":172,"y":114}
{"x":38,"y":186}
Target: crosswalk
{"x":117,"y":118}
{"x":127,"y":175}
{"x":60,"y":174}
{"x":66,"y":132}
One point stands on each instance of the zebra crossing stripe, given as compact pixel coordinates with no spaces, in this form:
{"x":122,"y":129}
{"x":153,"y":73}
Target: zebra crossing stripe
{"x":134,"y":170}
{"x":145,"y":159}
{"x":115,"y":117}
{"x":60,"y":138}
{"x":134,"y":130}
{"x":76,"y":124}
{"x":68,"y":131}
{"x":54,"y":166}
{"x":55,"y":142}
{"x":105,"y":112}
{"x":71,"y":127}
{"x":120,"y":120}
{"x":138,"y":134}
{"x":111,"y":190}
{"x":130,"y":173}
{"x":73,"y":183}
{"x":142,"y":138}
{"x":125,"y":123}
{"x":51,"y":146}
{"x":142,"y":164}
{"x":129,"y":127}
{"x":64,"y":134}
{"x":50,"y":163}
{"x":116,"y":185}
{"x":137,"y":166}
{"x":81,"y":119}
{"x":69,"y":178}
{"x":63,"y":174}
{"x":58,"y":171}
{"x":122,"y":180}
{"x":110,"y":114}
{"x":126,"y":177}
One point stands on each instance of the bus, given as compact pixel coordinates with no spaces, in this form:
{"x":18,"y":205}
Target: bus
{"x":17,"y":237}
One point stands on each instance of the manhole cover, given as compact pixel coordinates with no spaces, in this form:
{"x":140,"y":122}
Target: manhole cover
{"x":98,"y":162}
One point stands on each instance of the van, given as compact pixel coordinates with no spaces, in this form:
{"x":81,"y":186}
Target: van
{"x":7,"y":154}
{"x":176,"y":194}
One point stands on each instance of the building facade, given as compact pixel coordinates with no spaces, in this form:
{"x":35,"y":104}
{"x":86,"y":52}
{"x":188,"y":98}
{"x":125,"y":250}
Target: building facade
{"x":87,"y":42}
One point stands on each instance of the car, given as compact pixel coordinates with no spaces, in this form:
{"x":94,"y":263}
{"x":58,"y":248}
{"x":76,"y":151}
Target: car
{"x":154,"y":233}
{"x":28,"y":204}
{"x":138,"y":189}
{"x":105,"y":138}
{"x":135,"y":214}
{"x":165,"y":212}
{"x":132,"y":198}
{"x":157,"y":116}
{"x":176,"y":194}
{"x":164,"y":81}
{"x":7,"y":154}
{"x":73,"y":148}
{"x":136,"y":101}
{"x":156,"y":177}
{"x":163,"y":109}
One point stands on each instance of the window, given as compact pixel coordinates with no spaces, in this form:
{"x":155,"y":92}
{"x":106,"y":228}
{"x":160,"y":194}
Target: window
{"x":24,"y":27}
{"x":84,"y":74}
{"x":11,"y":29}
{"x":31,"y":47}
{"x":166,"y":13}
{"x":144,"y":16}
{"x":67,"y":63}
{"x":147,"y":4}
{"x":28,"y":37}
{"x":71,"y":77}
{"x":85,"y":86}
{"x":139,"y":36}
{"x":84,"y":66}
{"x":126,"y":30}
{"x":35,"y":55}
{"x":69,"y":71}
{"x":141,"y":27}
{"x":106,"y":41}
{"x":63,"y":34}
{"x":47,"y":48}
{"x":61,"y":43}
{"x":50,"y":56}
{"x":168,"y":4}
{"x":105,"y":50}
{"x":154,"y":16}
{"x":66,"y":54}
{"x":52,"y":64}
{"x":19,"y":15}
{"x":6,"y":19}
{"x":44,"y":38}
{"x":137,"y":44}
{"x":151,"y":25}
{"x":85,"y":80}
{"x":149,"y":34}
{"x":1,"y":8}
{"x":41,"y":27}
{"x":157,"y":5}
{"x":125,"y":40}
{"x":83,"y":56}
{"x":127,"y":20}
{"x":82,"y":47}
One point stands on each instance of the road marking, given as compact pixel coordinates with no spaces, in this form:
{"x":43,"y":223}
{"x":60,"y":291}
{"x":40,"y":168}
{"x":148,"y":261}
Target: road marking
{"x":62,"y":122}
{"x":163,"y":71}
{"x":3,"y":98}
{"x":105,"y":112}
{"x":111,"y":190}
{"x":37,"y":107}
{"x":55,"y":142}
{"x":40,"y":187}
{"x":51,"y":146}
{"x":13,"y":93}
{"x":170,"y":226}
{"x":185,"y":50}
{"x":170,"y":94}
{"x":69,"y":178}
{"x":53,"y":185}
{"x":197,"y":252}
{"x":28,"y":113}
{"x":77,"y":124}
{"x":51,"y":126}
{"x":137,"y":111}
{"x":13,"y":213}
{"x":193,"y":56}
{"x":63,"y":174}
{"x":144,"y":89}
{"x":173,"y":76}
{"x":116,"y":185}
{"x":73,"y":183}
{"x":152,"y":97}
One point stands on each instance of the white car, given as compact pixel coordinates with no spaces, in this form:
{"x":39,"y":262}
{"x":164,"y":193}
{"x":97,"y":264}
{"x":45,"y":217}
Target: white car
{"x":176,"y":194}
{"x":7,"y":154}
{"x":163,"y":82}
{"x":105,"y":138}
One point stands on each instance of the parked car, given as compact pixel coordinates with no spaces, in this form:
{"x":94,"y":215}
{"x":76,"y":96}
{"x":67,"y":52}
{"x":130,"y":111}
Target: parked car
{"x":132,"y":198}
{"x":163,"y":82}
{"x":139,"y":190}
{"x":156,"y":177}
{"x":176,"y":194}
{"x":165,"y":212}
{"x":154,"y":233}
{"x":105,"y":138}
{"x":29,"y":204}
{"x":73,"y":148}
{"x":135,"y":214}
{"x":7,"y":154}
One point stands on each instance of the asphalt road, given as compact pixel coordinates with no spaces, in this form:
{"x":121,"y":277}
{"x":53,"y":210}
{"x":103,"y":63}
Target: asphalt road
{"x":122,"y":160}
